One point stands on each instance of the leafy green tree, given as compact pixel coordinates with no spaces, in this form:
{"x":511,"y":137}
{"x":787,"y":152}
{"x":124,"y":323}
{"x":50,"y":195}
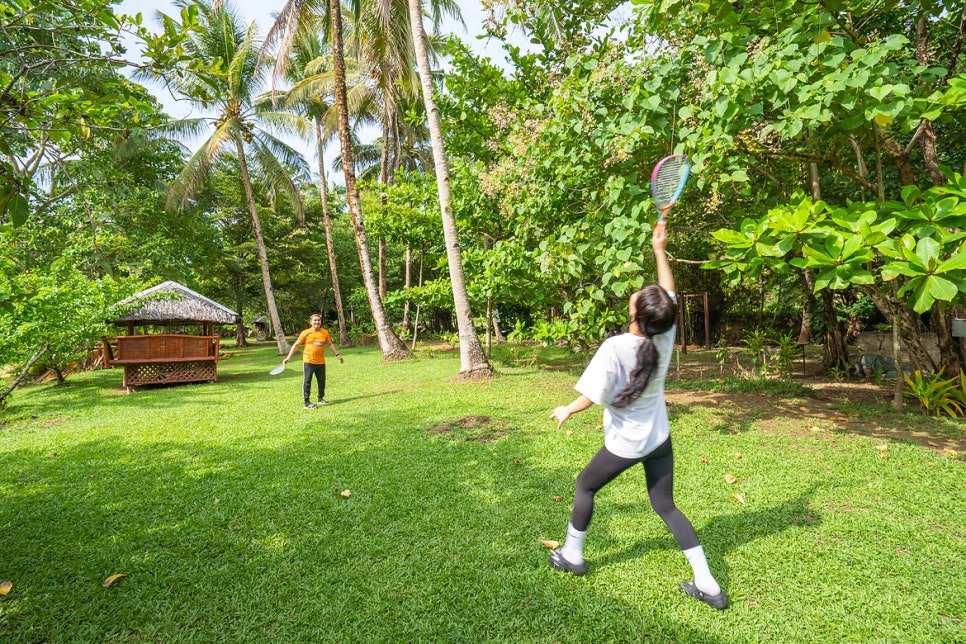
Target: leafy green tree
{"x":855,"y":92}
{"x":228,"y":82}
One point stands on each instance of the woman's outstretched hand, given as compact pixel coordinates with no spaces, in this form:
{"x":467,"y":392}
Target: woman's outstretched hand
{"x":560,"y":414}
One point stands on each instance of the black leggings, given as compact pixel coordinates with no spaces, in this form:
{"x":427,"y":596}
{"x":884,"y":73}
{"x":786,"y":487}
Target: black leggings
{"x":659,"y":470}
{"x":308,"y":369}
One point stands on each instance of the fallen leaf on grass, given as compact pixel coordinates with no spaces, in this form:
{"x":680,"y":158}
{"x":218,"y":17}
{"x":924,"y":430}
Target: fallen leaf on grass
{"x":6,"y":587}
{"x":931,"y":464}
{"x":54,"y":455}
{"x":729,"y":479}
{"x":737,"y":454}
{"x":346,"y":493}
{"x":738,"y":498}
{"x":558,"y":498}
{"x":570,"y":432}
{"x":553,"y":545}
{"x":884,"y":456}
{"x":704,"y":460}
{"x":110,"y":580}
{"x":882,"y":448}
{"x":946,"y":450}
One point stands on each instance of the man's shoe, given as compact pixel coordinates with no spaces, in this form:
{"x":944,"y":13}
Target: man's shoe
{"x":719,"y":601}
{"x":558,"y":562}
{"x":323,"y":401}
{"x":309,"y":405}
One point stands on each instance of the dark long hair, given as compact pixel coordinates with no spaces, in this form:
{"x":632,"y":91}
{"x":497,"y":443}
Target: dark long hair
{"x":655,"y":314}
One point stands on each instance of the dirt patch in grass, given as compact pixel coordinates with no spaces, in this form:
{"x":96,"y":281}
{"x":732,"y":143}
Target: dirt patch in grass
{"x":53,"y":421}
{"x":852,"y":406}
{"x":475,"y":428}
{"x":858,"y":408}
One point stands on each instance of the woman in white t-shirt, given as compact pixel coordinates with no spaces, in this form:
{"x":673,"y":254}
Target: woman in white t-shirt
{"x":626,"y":376}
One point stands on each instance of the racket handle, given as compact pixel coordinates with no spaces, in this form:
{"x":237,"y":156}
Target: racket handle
{"x":661,"y":219}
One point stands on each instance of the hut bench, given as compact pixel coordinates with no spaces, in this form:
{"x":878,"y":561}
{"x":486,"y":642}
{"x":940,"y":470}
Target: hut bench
{"x":164,"y":358}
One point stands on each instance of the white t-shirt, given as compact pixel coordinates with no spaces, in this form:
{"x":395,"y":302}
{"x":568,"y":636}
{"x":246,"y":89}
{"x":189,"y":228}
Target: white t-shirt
{"x":641,"y":427}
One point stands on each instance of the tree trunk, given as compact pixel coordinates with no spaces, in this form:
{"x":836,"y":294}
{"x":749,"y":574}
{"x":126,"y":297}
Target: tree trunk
{"x":897,"y":359}
{"x":23,"y":374}
{"x":241,"y":333}
{"x":805,"y":334}
{"x":382,"y":267}
{"x":473,"y":362}
{"x":927,"y":138}
{"x":240,"y":340}
{"x":908,"y":329}
{"x":283,"y":345}
{"x":344,"y":339}
{"x":409,"y":282}
{"x":950,"y":349}
{"x":836,"y":351}
{"x":392,"y":347}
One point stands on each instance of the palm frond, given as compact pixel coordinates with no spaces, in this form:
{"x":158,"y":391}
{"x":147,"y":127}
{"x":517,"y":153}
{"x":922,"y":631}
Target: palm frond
{"x":272,"y":156}
{"x":225,"y":136}
{"x":279,"y":122}
{"x":189,"y":181}
{"x":183,"y":129}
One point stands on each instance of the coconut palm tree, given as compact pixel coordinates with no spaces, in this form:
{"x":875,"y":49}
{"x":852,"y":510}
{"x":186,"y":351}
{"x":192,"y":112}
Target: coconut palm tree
{"x":309,"y":71}
{"x":473,"y":361}
{"x":226,"y":81}
{"x":305,"y":14}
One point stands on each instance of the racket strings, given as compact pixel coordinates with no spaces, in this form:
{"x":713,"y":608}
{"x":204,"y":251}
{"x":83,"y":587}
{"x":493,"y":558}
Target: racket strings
{"x":666,"y":184}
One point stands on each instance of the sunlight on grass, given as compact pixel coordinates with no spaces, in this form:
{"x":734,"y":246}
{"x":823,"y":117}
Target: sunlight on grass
{"x":222,"y":504}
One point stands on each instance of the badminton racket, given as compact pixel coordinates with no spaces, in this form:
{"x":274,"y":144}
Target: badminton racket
{"x":667,"y":181}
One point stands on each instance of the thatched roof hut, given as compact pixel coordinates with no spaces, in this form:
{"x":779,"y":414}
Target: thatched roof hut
{"x":167,"y":358}
{"x":170,"y":303}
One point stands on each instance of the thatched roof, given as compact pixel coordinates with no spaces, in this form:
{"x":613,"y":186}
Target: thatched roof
{"x":172,"y":303}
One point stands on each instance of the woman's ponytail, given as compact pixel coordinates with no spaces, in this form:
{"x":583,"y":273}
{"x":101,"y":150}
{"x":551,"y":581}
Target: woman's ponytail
{"x":656,"y":312}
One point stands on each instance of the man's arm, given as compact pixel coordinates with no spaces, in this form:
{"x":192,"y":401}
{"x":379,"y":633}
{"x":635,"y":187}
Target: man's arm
{"x":292,"y":351}
{"x":337,"y":354}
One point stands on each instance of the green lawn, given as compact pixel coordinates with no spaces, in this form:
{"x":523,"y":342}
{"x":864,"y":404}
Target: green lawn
{"x":222,"y":504}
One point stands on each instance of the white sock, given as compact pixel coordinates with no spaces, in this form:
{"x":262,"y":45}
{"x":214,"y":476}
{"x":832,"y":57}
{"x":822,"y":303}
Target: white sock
{"x":573,"y":548}
{"x":703,"y":578}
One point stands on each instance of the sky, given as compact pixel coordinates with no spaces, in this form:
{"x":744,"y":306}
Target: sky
{"x":261,"y":12}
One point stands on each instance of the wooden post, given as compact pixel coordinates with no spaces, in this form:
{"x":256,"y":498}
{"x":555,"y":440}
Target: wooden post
{"x":684,"y":345}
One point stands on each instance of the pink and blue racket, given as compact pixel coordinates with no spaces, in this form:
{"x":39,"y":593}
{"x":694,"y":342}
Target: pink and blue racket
{"x":667,"y":181}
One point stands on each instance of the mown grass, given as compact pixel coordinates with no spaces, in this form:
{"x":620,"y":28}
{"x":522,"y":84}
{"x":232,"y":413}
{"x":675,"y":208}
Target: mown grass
{"x":222,"y":504}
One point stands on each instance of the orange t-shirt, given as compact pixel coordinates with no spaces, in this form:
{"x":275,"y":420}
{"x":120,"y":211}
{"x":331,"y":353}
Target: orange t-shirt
{"x":315,"y":341}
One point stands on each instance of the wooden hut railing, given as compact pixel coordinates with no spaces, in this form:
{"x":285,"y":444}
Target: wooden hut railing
{"x":163,"y":358}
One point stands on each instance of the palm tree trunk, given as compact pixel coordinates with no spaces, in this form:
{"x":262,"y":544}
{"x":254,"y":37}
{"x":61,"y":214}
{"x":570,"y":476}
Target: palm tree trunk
{"x":392,"y":347}
{"x":409,"y":282}
{"x":283,"y":345}
{"x":473,"y":362}
{"x":384,"y":178}
{"x":344,"y":339}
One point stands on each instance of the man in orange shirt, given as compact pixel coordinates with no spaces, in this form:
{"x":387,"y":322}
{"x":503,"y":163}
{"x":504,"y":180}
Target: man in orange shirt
{"x":315,"y":339}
